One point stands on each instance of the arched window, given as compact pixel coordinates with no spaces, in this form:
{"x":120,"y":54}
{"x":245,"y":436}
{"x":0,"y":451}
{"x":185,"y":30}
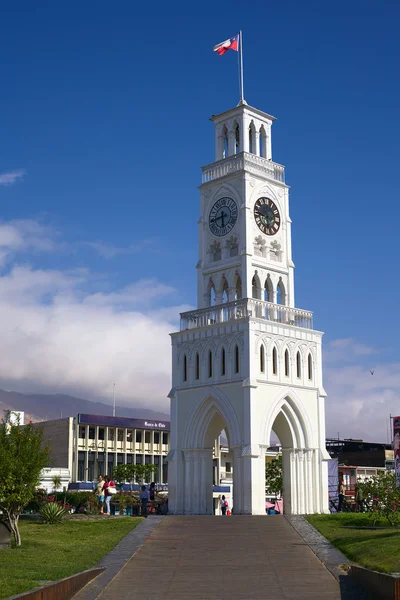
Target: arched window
{"x":223,"y":361}
{"x":185,"y":368}
{"x":280,"y":293}
{"x":238,"y":290}
{"x":237,"y":139}
{"x":274,"y":361}
{"x":210,"y":364}
{"x":256,"y":287}
{"x":225,"y":142}
{"x":211,"y":293}
{"x":268,"y":290}
{"x":310,"y":367}
{"x":263,"y":142}
{"x":225,"y":289}
{"x":197,"y":366}
{"x":286,"y":363}
{"x":236,"y":359}
{"x":262,"y":359}
{"x":252,"y":138}
{"x":298,"y":364}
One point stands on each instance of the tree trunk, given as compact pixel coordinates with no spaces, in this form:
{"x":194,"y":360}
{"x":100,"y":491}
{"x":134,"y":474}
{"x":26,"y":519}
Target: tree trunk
{"x":13,"y":520}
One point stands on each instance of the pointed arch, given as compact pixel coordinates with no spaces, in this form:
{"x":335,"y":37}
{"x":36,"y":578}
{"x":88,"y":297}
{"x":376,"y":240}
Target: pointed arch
{"x":225,"y":145}
{"x":274,"y":361}
{"x":238,"y":287}
{"x":211,"y":292}
{"x":298,"y":364}
{"x":293,"y":412}
{"x":287,"y":363}
{"x":237,"y":137}
{"x":236,"y":359}
{"x":252,"y":138}
{"x":310,"y":366}
{"x":223,"y":361}
{"x":256,"y":286}
{"x":262,"y":359}
{"x":262,"y":142}
{"x":268,"y":289}
{"x":184,"y":367}
{"x":224,"y":289}
{"x":214,"y":404}
{"x":281,"y":293}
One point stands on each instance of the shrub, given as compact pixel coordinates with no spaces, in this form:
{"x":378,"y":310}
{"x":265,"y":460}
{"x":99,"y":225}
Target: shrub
{"x":52,"y":513}
{"x":382,"y":496}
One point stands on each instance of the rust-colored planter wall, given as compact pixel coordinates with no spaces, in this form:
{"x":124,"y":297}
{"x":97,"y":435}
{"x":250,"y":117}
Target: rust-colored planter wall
{"x":64,"y":589}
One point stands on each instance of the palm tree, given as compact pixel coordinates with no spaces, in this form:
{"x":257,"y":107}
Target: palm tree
{"x":56,"y":479}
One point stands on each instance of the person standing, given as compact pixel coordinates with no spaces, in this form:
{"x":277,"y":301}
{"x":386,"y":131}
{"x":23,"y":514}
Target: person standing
{"x":100,"y":494}
{"x":109,"y":485}
{"x":224,"y":505}
{"x":341,"y":491}
{"x":152,"y":492}
{"x":144,"y":498}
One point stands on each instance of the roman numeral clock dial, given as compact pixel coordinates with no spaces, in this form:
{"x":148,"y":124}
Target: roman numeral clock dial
{"x":267,"y":216}
{"x":223,"y":216}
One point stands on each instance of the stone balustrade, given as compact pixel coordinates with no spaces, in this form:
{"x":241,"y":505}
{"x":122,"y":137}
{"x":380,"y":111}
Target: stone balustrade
{"x":243,"y":161}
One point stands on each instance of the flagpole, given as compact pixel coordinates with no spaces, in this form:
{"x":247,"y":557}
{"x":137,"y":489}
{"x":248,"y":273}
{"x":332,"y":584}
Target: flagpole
{"x":241,"y":67}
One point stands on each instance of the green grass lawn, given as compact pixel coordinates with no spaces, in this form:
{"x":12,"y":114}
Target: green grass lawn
{"x":50,"y":552}
{"x":374,"y":549}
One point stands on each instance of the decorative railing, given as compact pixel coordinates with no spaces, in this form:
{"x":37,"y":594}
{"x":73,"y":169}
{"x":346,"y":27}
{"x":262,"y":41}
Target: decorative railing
{"x":243,"y":161}
{"x":244,"y":309}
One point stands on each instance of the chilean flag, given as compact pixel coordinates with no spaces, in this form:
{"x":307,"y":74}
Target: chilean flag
{"x":231,"y":44}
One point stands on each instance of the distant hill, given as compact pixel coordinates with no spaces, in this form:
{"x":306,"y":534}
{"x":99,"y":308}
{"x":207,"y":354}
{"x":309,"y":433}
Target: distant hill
{"x":39,"y":407}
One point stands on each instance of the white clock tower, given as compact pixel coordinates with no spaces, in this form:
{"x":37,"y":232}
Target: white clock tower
{"x":246,"y":360}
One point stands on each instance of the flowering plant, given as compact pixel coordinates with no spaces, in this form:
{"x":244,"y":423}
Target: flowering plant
{"x":382,"y":496}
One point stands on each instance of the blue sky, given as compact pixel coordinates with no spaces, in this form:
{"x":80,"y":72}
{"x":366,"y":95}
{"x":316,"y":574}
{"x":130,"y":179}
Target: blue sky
{"x":104,"y":127}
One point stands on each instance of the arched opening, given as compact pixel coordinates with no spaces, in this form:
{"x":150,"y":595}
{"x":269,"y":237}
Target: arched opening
{"x":197,"y":366}
{"x":225,"y":145}
{"x":256,"y":287}
{"x":252,"y":138}
{"x":298,"y":364}
{"x":210,"y":364}
{"x":225,"y":290}
{"x":238,"y":288}
{"x":268,"y":290}
{"x":236,"y":359}
{"x":280,"y":293}
{"x":223,"y":362}
{"x":185,"y":368}
{"x":237,"y":139}
{"x":262,"y":142}
{"x":262,"y":359}
{"x":310,"y":367}
{"x":287,"y":368}
{"x":211,"y":293}
{"x":274,"y":361}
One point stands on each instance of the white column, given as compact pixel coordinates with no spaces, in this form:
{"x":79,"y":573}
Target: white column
{"x":187,"y":509}
{"x":302,"y":488}
{"x":253,"y":466}
{"x":231,"y":142}
{"x":293,"y":482}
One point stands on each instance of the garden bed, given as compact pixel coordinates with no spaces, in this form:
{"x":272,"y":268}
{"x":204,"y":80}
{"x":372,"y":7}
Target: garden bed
{"x":51,"y":552}
{"x":375,"y":547}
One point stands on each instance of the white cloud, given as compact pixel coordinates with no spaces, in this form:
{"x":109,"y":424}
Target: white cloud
{"x":109,"y":251}
{"x":359,"y":402}
{"x":58,"y":335}
{"x":11,"y":177}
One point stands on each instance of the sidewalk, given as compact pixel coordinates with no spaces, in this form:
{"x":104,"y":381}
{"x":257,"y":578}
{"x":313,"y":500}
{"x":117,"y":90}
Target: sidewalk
{"x":218,"y":558}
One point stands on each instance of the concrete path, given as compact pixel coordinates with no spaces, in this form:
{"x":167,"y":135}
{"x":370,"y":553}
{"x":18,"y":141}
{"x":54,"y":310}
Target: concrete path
{"x":218,"y":558}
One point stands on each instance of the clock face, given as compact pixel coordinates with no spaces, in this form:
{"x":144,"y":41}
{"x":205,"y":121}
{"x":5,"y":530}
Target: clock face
{"x":267,"y":216}
{"x":223,"y":216}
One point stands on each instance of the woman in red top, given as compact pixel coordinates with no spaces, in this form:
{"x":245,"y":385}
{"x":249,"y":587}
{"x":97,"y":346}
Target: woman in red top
{"x":108,"y":483}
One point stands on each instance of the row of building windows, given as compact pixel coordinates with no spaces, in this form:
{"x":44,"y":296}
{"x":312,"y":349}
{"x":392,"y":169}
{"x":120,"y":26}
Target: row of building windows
{"x":118,"y":434}
{"x":211,"y":365}
{"x":286,"y":363}
{"x":260,"y":149}
{"x":266,"y":293}
{"x":98,"y":466}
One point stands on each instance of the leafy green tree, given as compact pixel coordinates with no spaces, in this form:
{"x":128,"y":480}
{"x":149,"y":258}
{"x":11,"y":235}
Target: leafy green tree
{"x":274,"y":476}
{"x":381,"y":496}
{"x":22,"y":457}
{"x":133,"y":473}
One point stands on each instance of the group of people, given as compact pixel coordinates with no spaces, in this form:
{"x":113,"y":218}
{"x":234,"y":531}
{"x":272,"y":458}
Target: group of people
{"x":358,"y":496}
{"x":106,"y":488}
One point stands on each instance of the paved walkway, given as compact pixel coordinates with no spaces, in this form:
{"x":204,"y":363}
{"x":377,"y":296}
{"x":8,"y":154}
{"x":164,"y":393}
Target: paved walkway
{"x":218,"y":558}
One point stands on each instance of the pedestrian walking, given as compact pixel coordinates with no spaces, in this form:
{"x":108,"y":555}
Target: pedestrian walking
{"x":100,"y":494}
{"x":152,"y":493}
{"x":144,"y":498}
{"x":109,"y":491}
{"x":341,"y":491}
{"x":224,"y":505}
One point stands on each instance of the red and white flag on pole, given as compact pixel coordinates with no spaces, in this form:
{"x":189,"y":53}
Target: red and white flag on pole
{"x":231,"y":44}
